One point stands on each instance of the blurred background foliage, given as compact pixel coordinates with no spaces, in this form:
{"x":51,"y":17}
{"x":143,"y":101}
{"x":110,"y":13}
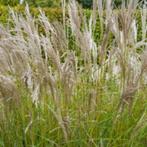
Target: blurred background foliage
{"x":50,"y":3}
{"x":35,"y":3}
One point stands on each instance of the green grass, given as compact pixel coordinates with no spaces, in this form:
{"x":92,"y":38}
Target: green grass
{"x":28,"y":125}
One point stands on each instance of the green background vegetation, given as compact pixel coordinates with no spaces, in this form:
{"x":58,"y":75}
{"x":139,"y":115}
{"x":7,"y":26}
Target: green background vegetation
{"x":50,"y":3}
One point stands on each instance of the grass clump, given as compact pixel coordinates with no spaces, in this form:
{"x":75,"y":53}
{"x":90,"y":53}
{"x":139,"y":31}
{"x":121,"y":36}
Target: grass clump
{"x":88,"y":93}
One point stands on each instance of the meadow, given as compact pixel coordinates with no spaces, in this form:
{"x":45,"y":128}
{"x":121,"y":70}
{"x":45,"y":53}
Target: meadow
{"x":65,"y":84}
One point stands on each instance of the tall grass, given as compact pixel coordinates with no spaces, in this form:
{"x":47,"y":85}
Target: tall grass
{"x":90,"y":93}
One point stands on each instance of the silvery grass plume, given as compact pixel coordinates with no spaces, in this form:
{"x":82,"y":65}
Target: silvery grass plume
{"x":144,"y":38}
{"x":144,"y":21}
{"x":123,"y":26}
{"x":8,"y":89}
{"x":41,"y":61}
{"x":93,"y":55}
{"x":84,"y":37}
{"x":123,"y":50}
